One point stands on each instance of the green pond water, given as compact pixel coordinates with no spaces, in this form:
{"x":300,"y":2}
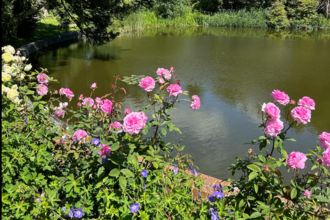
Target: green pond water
{"x":233,"y":70}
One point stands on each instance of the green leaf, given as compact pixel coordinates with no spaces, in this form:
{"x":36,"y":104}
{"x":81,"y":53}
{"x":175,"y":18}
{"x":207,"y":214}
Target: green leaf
{"x":254,"y":168}
{"x":114,"y":172}
{"x":293,"y":193}
{"x":122,"y":182}
{"x":321,"y":198}
{"x":115,"y":147}
{"x":155,"y":164}
{"x":255,"y":215}
{"x":164,"y":131}
{"x":261,"y":158}
{"x":127,"y":173}
{"x":253,"y":175}
{"x":256,"y":187}
{"x":290,"y":139}
{"x":262,"y":145}
{"x":101,"y":169}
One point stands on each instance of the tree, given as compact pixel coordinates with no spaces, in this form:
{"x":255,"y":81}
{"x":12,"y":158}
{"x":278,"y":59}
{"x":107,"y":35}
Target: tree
{"x":93,"y":17}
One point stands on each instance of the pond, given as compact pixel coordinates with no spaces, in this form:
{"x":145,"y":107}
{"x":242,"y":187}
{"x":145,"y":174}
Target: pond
{"x":233,"y":70}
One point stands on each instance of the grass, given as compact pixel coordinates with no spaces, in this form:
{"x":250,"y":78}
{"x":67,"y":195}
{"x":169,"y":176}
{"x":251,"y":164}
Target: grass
{"x":44,"y":28}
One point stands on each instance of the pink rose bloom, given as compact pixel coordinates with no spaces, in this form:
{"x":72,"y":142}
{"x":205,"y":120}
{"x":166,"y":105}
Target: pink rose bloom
{"x":80,"y":135}
{"x":174,"y":90}
{"x":58,"y":112}
{"x":134,"y":122}
{"x":67,"y":92}
{"x":98,"y":101}
{"x":325,"y":140}
{"x":56,"y":92}
{"x":94,"y":106}
{"x":161,"y":80}
{"x":266,"y":168}
{"x":196,"y":103}
{"x":164,"y":73}
{"x":107,"y":106}
{"x":93,"y":86}
{"x":172,"y":69}
{"x":326,"y":158}
{"x":320,"y":160}
{"x":296,"y":160}
{"x":127,"y":111}
{"x":79,"y":103}
{"x":89,"y":100}
{"x":43,"y":78}
{"x":280,"y":97}
{"x":292,"y":102}
{"x":117,"y":126}
{"x":105,"y":151}
{"x":147,"y":84}
{"x":81,"y":96}
{"x":301,"y":114}
{"x":271,"y":110}
{"x":273,"y":127}
{"x":307,"y":193}
{"x":307,"y":102}
{"x":42,"y":90}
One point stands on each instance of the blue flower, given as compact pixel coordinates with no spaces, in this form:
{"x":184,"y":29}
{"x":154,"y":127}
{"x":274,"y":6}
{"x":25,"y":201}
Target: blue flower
{"x":195,"y":173}
{"x":144,"y":173}
{"x":190,"y":167}
{"x":134,"y":207}
{"x":218,"y":195}
{"x":175,"y":170}
{"x":210,"y":198}
{"x":71,"y":213}
{"x":220,"y":186}
{"x":144,"y":186}
{"x":64,"y":209}
{"x":215,"y":187}
{"x":199,"y":193}
{"x":211,"y":210}
{"x":229,"y":212}
{"x":96,"y":141}
{"x":26,"y":121}
{"x":214,"y":216}
{"x":79,"y":213}
{"x":104,"y":160}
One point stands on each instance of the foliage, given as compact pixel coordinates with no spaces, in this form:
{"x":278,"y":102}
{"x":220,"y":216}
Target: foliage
{"x":52,"y":173}
{"x":170,"y":8}
{"x":302,"y":12}
{"x":278,"y":15}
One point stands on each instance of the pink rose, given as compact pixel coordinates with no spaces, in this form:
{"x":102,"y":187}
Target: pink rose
{"x":67,"y":92}
{"x":164,"y":73}
{"x":301,"y":114}
{"x":42,"y":90}
{"x":296,"y":160}
{"x":307,"y":102}
{"x":161,"y":80}
{"x":93,"y":86}
{"x":98,"y":101}
{"x":326,"y":158}
{"x":134,"y":122}
{"x":117,"y":126}
{"x":127,"y":111}
{"x":56,"y":92}
{"x":58,"y":112}
{"x":196,"y":103}
{"x":174,"y":90}
{"x":273,"y":127}
{"x":266,"y":168}
{"x":88,"y":100}
{"x":94,"y":106}
{"x":271,"y":110}
{"x":280,"y":97}
{"x":79,"y":103}
{"x":105,"y":151}
{"x":80,"y":135}
{"x":147,"y":84}
{"x":325,"y":140}
{"x":320,"y":160}
{"x":172,"y":69}
{"x":107,"y":106}
{"x":292,"y":102}
{"x":81,"y":96}
{"x":307,"y":193}
{"x":43,"y":78}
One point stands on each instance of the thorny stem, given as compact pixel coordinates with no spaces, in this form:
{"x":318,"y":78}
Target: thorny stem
{"x":271,"y":153}
{"x":289,"y":127}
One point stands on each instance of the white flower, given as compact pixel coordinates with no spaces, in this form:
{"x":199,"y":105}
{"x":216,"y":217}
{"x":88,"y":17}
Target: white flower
{"x":21,"y":76}
{"x":17,"y":100}
{"x":6,"y":68}
{"x":9,"y":49}
{"x":63,"y":105}
{"x":28,"y":67}
{"x":14,"y":87}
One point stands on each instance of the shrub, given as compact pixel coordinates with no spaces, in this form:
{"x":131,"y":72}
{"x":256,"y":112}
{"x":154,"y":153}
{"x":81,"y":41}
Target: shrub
{"x":278,"y":16}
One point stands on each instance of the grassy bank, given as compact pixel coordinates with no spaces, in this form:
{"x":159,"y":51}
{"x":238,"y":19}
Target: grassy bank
{"x":44,"y":28}
{"x":148,"y":19}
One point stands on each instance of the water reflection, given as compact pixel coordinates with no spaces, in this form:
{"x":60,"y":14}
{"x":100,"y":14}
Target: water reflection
{"x":233,"y":70}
